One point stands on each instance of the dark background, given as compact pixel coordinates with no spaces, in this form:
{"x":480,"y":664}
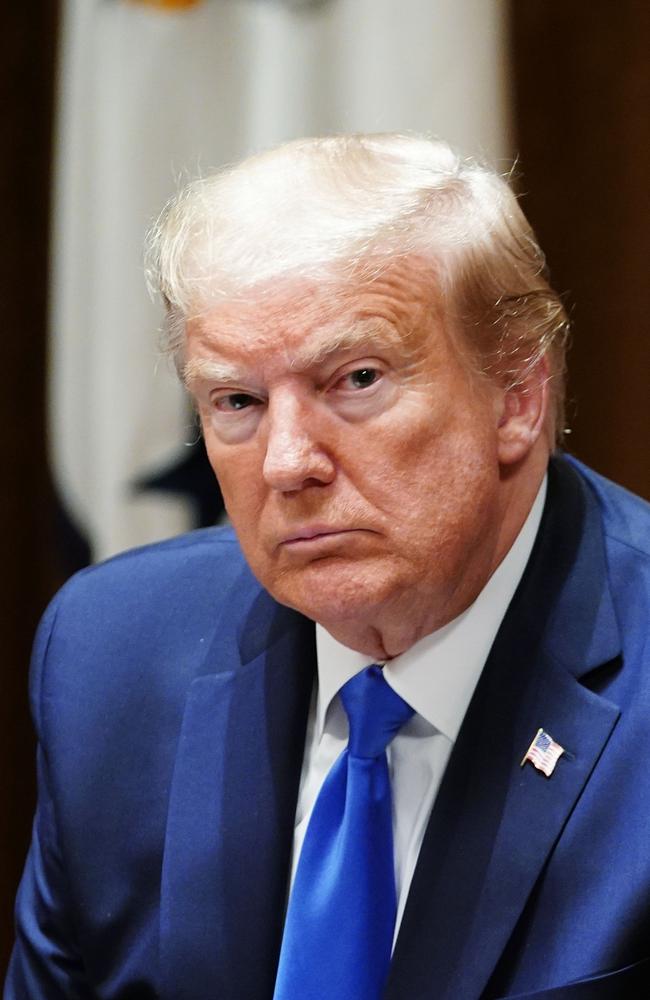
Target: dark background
{"x":581,"y":78}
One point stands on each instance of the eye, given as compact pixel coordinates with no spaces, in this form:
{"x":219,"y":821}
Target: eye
{"x":361,"y":378}
{"x":234,"y":402}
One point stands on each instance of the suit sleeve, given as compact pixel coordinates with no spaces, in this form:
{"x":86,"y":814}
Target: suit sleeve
{"x":46,"y":963}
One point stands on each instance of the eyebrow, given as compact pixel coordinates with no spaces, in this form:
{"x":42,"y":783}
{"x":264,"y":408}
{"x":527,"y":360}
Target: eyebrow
{"x":203,"y":369}
{"x":365,"y":332}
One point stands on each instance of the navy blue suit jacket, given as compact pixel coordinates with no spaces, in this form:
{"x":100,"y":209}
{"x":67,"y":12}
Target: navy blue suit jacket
{"x":170,"y":694}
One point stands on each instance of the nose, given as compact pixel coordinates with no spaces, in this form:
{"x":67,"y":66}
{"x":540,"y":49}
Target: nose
{"x":296,"y":455}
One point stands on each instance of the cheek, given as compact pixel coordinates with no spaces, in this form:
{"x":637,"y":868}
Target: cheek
{"x":438,"y":482}
{"x":239,"y":479}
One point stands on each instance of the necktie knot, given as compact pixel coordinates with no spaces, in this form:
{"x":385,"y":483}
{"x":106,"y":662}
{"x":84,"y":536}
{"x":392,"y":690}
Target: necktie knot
{"x":375,"y":712}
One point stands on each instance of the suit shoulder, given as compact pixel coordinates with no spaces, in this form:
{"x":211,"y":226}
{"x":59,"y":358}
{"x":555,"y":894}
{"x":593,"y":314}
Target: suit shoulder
{"x":203,"y":543}
{"x":626,"y":516}
{"x":141,"y":621}
{"x":146,"y":605}
{"x":210,"y":552}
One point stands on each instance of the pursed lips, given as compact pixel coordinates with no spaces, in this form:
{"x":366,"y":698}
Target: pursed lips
{"x":314,"y":532}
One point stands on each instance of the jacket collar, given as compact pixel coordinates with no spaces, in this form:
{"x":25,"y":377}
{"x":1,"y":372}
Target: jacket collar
{"x":232,"y":803}
{"x":495,"y":823}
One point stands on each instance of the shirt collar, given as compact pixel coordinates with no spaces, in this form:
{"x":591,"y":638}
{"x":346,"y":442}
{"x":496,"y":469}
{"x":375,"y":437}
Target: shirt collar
{"x":438,"y":674}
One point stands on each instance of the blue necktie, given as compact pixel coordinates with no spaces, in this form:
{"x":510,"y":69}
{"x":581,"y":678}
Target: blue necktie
{"x":340,"y":921}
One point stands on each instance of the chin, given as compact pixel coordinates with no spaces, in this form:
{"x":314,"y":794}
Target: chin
{"x":331,"y":590}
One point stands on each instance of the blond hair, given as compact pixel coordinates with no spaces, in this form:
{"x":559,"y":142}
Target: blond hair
{"x":345,"y":206}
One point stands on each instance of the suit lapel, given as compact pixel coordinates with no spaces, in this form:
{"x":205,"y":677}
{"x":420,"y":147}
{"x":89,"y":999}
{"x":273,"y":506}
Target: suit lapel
{"x":495,"y":824}
{"x":232,"y":805}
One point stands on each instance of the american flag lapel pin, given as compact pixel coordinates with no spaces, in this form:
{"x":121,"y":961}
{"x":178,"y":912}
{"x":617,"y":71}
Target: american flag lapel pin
{"x":543,"y":753}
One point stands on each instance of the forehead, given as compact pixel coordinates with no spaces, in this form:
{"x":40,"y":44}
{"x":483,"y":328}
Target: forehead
{"x":304,"y":321}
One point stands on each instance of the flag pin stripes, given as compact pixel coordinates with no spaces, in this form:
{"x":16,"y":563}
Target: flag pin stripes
{"x":543,"y":753}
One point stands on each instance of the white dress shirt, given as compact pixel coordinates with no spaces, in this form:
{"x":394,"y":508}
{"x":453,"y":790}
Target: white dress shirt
{"x":437,"y":677}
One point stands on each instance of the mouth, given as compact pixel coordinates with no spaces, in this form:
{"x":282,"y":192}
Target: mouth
{"x":317,"y":536}
{"x":314,"y":533}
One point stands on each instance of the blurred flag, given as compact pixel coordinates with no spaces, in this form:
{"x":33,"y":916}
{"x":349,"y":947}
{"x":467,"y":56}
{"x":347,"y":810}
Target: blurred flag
{"x":168,"y":4}
{"x":153,"y":91}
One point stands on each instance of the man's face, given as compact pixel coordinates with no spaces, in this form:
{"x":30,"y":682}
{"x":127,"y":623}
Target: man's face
{"x":356,"y":455}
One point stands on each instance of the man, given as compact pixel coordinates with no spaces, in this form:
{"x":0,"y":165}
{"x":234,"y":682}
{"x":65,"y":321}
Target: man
{"x":376,"y":358}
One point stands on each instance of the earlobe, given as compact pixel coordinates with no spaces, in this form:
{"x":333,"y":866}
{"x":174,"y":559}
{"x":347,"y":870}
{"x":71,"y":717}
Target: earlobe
{"x":523,"y":415}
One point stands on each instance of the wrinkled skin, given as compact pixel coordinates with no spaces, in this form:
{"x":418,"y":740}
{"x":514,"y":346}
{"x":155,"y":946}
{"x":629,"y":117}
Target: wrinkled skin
{"x":374,"y":482}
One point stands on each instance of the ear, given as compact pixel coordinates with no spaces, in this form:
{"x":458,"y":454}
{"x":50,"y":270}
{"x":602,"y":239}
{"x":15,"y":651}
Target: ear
{"x":523,"y":414}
